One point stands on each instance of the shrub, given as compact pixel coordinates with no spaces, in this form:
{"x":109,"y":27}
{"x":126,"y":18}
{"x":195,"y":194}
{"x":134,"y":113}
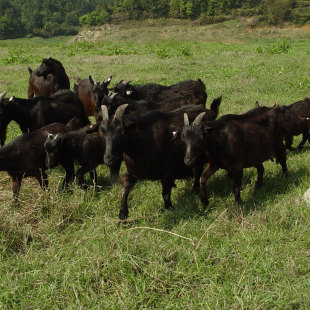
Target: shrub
{"x":95,"y":18}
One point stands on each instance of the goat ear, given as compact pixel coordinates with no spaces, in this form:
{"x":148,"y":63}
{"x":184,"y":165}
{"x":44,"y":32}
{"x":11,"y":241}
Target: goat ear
{"x":105,"y":112}
{"x":207,"y":129}
{"x":49,"y":77}
{"x":129,"y":122}
{"x":119,"y":112}
{"x":91,"y":80}
{"x":186,"y":121}
{"x":74,"y":123}
{"x":108,"y":81}
{"x":199,"y":118}
{"x":30,"y":70}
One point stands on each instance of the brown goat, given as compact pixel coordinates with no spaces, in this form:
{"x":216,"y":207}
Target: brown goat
{"x":39,"y":86}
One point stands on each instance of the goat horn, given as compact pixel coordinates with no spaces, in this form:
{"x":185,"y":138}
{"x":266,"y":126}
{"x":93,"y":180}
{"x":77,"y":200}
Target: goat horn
{"x":126,"y":82}
{"x":2,"y":95}
{"x":105,"y":114}
{"x":112,"y":95}
{"x":199,"y":118}
{"x":120,"y":111}
{"x":186,"y":121}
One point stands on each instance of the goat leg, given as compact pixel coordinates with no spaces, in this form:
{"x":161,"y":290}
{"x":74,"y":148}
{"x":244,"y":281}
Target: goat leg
{"x":93,"y":176}
{"x":69,"y":175}
{"x":128,"y":183}
{"x":303,"y":141}
{"x":280,"y":154}
{"x":289,"y":142}
{"x":17,"y":182}
{"x":42,"y":179}
{"x":167,"y":185}
{"x":197,"y":174}
{"x":207,"y":173}
{"x":237,"y":179}
{"x":260,"y":173}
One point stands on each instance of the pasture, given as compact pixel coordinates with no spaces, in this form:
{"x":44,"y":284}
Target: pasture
{"x":67,"y":250}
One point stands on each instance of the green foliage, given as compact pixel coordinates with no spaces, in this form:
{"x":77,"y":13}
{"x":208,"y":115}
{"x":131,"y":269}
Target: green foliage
{"x":19,"y":55}
{"x":283,"y":46}
{"x":46,"y":18}
{"x":97,"y":17}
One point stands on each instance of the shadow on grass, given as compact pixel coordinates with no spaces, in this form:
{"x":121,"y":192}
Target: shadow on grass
{"x":188,"y":205}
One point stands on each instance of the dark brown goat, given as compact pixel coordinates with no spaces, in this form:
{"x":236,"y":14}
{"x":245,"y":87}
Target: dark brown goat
{"x":192,"y":91}
{"x":81,"y":146}
{"x":292,"y":119}
{"x":91,"y":94}
{"x":32,"y":114}
{"x":113,"y":101}
{"x":149,"y":147}
{"x":25,"y":156}
{"x":54,"y":78}
{"x":234,"y":142}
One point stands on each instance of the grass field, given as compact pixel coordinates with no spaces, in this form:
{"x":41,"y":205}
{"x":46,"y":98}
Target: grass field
{"x":66,"y":250}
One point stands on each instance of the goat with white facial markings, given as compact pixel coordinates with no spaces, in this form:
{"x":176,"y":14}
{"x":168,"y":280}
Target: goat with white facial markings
{"x":150,"y":148}
{"x":234,"y":142}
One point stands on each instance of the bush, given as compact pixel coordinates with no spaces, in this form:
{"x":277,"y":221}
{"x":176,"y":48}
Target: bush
{"x":95,"y":18}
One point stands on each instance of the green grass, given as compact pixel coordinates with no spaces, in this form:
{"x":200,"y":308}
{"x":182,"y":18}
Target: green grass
{"x":66,"y":250}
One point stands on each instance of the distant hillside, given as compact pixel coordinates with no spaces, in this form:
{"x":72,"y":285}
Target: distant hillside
{"x":50,"y":18}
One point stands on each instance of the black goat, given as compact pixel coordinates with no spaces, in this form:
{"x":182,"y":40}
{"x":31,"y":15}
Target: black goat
{"x":149,"y":147}
{"x":31,"y":114}
{"x":83,"y":145}
{"x":234,"y":142}
{"x":91,"y":93}
{"x":25,"y":156}
{"x":192,"y":91}
{"x":292,"y":119}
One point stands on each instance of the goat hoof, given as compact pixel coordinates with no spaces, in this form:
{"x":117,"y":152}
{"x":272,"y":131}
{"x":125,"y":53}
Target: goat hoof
{"x":123,"y":216}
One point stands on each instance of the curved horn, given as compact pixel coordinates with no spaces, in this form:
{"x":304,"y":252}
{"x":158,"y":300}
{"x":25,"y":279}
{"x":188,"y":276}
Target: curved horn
{"x":105,"y":114}
{"x":112,"y":95}
{"x":120,"y":111}
{"x":186,"y":121}
{"x":2,"y":96}
{"x":199,"y":118}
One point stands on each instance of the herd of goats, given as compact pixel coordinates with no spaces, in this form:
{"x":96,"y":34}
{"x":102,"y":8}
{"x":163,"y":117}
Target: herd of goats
{"x":161,"y":132}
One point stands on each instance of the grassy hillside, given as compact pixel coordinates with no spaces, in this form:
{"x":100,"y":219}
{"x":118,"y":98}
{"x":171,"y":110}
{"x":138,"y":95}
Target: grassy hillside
{"x":66,"y":250}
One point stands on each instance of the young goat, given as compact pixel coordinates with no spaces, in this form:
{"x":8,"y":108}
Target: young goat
{"x":84,"y":146}
{"x":25,"y":156}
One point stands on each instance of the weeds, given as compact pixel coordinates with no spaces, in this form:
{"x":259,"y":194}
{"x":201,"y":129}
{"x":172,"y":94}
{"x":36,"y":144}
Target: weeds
{"x":280,"y":47}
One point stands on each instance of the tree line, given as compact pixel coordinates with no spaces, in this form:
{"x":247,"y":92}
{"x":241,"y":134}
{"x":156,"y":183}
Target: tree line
{"x":47,"y":18}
